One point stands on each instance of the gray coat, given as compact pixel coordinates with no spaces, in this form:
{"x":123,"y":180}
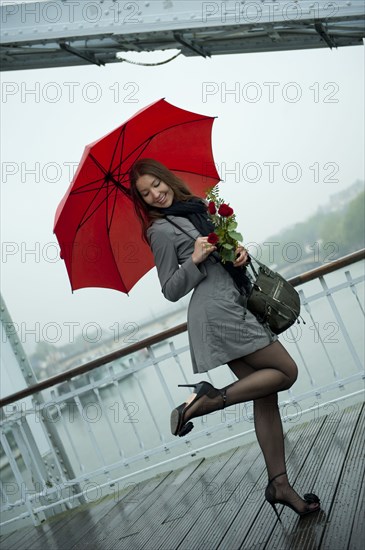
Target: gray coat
{"x":219,"y":327}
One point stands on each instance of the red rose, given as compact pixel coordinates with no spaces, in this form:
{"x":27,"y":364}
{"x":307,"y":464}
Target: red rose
{"x":211,"y":207}
{"x":225,"y":210}
{"x":213,"y":238}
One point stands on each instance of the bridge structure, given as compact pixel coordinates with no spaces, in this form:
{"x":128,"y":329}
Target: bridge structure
{"x":63,"y":33}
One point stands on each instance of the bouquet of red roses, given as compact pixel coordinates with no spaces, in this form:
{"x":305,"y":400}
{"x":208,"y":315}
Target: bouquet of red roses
{"x":225,"y":236}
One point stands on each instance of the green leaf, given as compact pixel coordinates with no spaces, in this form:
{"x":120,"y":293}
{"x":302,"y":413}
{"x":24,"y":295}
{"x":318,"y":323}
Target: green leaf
{"x":232,"y":226}
{"x":235,"y":235}
{"x":227,"y":255}
{"x":228,"y":246}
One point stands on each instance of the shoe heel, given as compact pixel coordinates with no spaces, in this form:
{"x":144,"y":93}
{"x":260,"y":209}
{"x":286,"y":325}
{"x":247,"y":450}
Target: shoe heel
{"x":275,"y":510}
{"x":186,"y":428}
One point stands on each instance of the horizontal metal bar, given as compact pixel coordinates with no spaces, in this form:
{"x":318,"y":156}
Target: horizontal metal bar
{"x":328,"y":268}
{"x":333,"y":289}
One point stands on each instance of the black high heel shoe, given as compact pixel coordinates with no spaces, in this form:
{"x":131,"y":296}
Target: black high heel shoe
{"x":310,"y":498}
{"x":178,"y":427}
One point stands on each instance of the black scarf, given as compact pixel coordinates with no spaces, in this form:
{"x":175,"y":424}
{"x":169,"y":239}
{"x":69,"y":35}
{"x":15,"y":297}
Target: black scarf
{"x":196,"y":211}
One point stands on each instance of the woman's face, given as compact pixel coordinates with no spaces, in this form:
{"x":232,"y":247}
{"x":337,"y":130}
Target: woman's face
{"x":154,"y":191}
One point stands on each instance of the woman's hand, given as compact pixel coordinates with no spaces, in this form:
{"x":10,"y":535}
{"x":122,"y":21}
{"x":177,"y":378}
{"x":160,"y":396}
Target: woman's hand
{"x":242,"y":257}
{"x":202,"y":249}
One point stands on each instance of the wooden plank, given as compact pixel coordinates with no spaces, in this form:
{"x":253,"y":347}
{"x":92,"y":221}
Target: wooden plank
{"x":323,"y":466}
{"x":176,"y":500}
{"x":209,"y":484}
{"x":204,"y":512}
{"x":7,"y":540}
{"x":97,"y":534}
{"x":358,"y":525}
{"x":74,"y":524}
{"x":338,"y":526}
{"x":118,"y":525}
{"x":47,"y":533}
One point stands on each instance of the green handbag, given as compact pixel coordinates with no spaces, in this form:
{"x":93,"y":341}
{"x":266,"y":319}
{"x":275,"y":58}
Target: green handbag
{"x":272,"y":299}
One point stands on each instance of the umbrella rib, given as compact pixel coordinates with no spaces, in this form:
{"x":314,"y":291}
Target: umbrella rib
{"x":121,"y":187}
{"x":101,"y":179}
{"x":149,"y":139}
{"x":109,"y":224}
{"x":121,"y":154}
{"x":100,"y":166}
{"x":118,"y":183}
{"x":122,"y":133}
{"x":106,"y":197}
{"x":82,"y":190}
{"x":83,"y":219}
{"x":145,"y":143}
{"x":115,"y":263}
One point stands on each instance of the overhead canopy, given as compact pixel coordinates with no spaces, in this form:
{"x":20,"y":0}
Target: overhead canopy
{"x":62,"y":33}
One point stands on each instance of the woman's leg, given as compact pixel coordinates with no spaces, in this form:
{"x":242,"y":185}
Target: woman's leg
{"x":268,"y":426}
{"x":272,"y":370}
{"x":269,"y":433}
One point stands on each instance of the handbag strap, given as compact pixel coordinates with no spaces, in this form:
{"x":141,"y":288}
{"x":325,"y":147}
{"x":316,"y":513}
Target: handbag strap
{"x":214,"y":254}
{"x":258,"y":262}
{"x":179,"y":227}
{"x":264,"y":267}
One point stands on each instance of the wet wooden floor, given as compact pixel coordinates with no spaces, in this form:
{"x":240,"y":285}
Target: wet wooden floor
{"x":218,"y":503}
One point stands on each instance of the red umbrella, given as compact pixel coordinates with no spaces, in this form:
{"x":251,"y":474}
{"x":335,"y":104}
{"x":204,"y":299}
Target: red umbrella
{"x":95,"y":224}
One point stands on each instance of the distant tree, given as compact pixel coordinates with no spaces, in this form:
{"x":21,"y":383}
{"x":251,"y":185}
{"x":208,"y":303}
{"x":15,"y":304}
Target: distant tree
{"x":344,"y":227}
{"x":332,"y":231}
{"x":354,"y":223}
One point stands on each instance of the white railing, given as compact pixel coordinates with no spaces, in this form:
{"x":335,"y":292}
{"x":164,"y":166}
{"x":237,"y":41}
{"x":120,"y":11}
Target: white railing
{"x":100,"y":432}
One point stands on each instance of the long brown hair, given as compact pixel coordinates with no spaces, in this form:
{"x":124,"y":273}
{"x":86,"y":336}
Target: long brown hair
{"x":145,"y":213}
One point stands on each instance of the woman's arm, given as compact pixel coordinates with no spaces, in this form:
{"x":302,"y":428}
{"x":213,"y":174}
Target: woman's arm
{"x":176,"y":281}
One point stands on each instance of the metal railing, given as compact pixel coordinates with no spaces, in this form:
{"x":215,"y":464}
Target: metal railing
{"x":99,"y":432}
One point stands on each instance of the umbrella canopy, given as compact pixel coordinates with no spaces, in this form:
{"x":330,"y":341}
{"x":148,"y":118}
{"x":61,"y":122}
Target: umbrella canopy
{"x":95,"y":223}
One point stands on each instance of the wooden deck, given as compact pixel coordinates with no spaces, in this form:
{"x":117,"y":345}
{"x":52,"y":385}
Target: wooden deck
{"x":218,"y":503}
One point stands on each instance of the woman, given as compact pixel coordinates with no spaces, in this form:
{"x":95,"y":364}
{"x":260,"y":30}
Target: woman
{"x":175,"y":223}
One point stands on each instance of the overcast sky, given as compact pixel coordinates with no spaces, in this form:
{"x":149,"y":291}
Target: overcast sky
{"x":289,"y":134}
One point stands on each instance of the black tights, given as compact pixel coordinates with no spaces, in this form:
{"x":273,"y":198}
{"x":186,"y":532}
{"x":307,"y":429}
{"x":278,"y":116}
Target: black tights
{"x":261,"y":375}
